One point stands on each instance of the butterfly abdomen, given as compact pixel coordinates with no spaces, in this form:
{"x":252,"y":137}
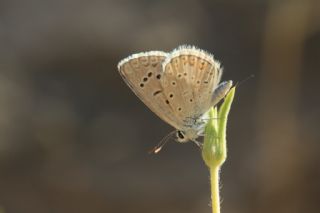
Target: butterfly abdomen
{"x":220,"y":92}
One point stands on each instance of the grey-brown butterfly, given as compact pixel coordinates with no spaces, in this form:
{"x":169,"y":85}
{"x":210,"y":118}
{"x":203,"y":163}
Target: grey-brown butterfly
{"x":180,"y":86}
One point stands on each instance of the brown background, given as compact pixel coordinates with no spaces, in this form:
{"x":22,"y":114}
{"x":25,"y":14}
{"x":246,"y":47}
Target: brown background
{"x":74,"y":138}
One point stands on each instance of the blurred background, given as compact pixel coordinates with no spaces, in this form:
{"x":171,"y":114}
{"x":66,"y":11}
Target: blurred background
{"x":74,"y":138}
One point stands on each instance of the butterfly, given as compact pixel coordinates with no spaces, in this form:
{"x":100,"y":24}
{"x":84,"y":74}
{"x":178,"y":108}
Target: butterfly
{"x":179,"y":87}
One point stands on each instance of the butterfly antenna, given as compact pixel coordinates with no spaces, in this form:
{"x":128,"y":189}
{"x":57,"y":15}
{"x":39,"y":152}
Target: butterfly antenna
{"x":163,"y":142}
{"x":244,"y":80}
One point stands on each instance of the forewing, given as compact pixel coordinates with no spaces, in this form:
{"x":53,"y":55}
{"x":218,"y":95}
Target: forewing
{"x":143,"y":72}
{"x":190,"y":76}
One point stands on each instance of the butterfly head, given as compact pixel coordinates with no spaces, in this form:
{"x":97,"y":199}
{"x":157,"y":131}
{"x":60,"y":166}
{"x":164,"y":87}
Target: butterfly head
{"x":185,"y":136}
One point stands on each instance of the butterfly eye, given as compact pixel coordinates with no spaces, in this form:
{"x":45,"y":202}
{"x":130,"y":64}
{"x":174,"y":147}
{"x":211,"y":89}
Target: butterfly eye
{"x":180,"y":135}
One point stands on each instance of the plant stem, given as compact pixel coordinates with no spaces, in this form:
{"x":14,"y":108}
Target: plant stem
{"x":214,"y":151}
{"x":215,"y":197}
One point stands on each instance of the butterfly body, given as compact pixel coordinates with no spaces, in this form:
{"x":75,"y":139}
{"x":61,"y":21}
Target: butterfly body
{"x":180,"y":87}
{"x":191,"y":129}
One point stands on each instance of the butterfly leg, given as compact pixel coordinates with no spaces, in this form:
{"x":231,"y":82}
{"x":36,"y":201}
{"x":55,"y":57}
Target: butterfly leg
{"x":199,"y":144}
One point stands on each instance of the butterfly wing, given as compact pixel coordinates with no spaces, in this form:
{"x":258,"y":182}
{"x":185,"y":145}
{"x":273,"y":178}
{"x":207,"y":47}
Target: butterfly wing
{"x":190,"y":77}
{"x":143,"y":72}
